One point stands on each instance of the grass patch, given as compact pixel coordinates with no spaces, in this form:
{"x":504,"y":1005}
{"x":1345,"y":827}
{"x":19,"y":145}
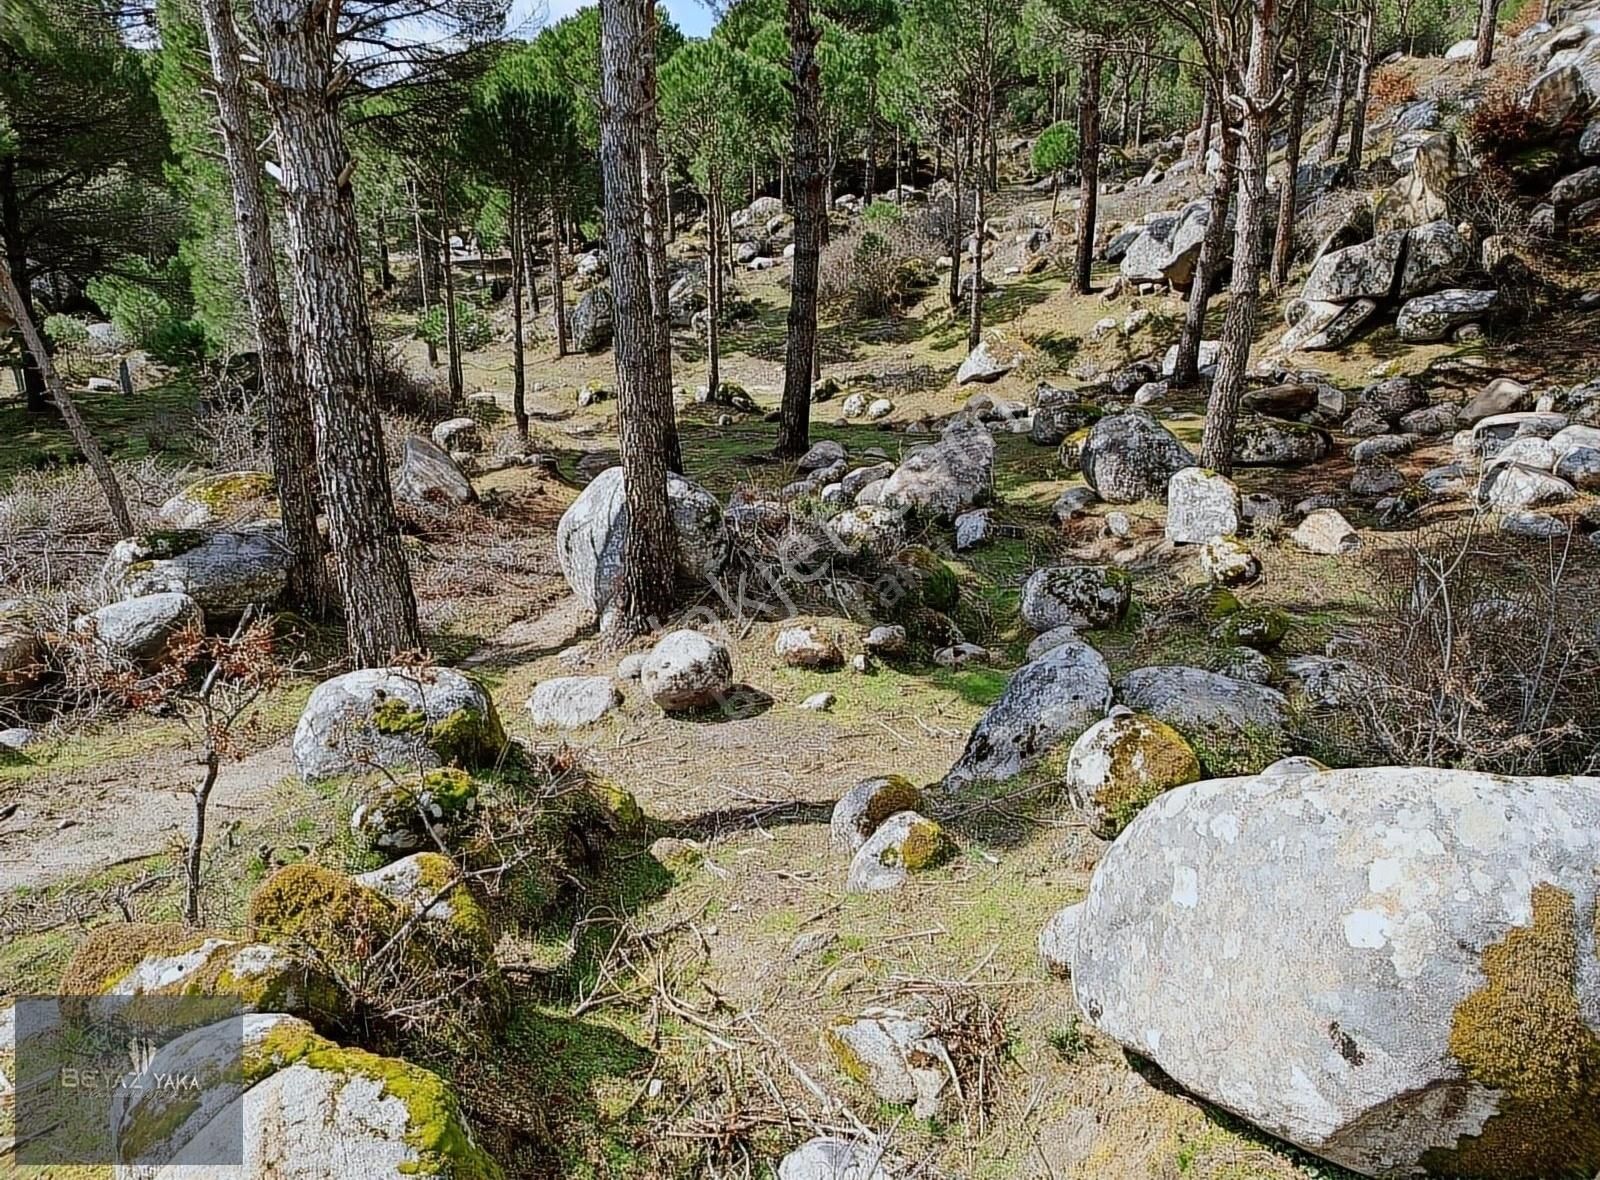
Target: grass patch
{"x":156,"y":421}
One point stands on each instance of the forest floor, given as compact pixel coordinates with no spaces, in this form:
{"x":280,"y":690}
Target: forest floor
{"x":716,"y":980}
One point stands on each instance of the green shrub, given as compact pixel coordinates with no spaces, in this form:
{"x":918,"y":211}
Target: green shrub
{"x":66,"y":331}
{"x":1056,"y":149}
{"x":472,"y":326}
{"x":881,"y":214}
{"x":140,"y":303}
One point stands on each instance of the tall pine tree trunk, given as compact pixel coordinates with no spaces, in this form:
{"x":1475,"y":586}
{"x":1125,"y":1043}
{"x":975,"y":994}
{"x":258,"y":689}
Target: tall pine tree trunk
{"x":519,"y":364}
{"x":975,"y":309}
{"x":298,"y":52}
{"x":714,"y":295}
{"x":653,"y":175}
{"x":1488,"y":16}
{"x":1186,"y":369}
{"x":291,"y":436}
{"x":644,"y":392}
{"x":1358,"y":107}
{"x":1244,"y":304}
{"x":794,"y":424}
{"x":1289,"y":191}
{"x":1208,"y":115}
{"x":11,"y":296}
{"x":452,"y":330}
{"x":424,"y":262}
{"x":1088,"y":166}
{"x":956,"y":176}
{"x":1341,"y":92}
{"x":16,"y":260}
{"x":558,"y":288}
{"x":869,"y":181}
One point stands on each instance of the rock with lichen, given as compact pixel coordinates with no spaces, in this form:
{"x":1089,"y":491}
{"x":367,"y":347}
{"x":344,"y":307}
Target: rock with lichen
{"x":1234,"y":726}
{"x":894,"y":1055}
{"x":903,"y":844}
{"x":225,"y":572}
{"x":1392,"y":968}
{"x":291,"y":1103}
{"x":1046,"y":704}
{"x":403,"y":814}
{"x":226,"y":497}
{"x":865,"y":806}
{"x":1121,"y":763}
{"x":397,"y":717}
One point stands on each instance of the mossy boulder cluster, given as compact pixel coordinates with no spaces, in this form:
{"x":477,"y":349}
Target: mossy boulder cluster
{"x":1397,"y":969}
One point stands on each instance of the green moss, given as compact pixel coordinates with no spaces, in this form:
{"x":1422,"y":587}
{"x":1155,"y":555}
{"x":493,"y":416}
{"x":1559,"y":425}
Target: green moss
{"x":1523,"y":1034}
{"x":111,"y":952}
{"x":849,"y":1060}
{"x":468,"y":737}
{"x":223,"y":493}
{"x":435,"y":1128}
{"x":934,"y":581}
{"x":138,"y":1140}
{"x":325,"y":911}
{"x":1253,"y":626}
{"x":1148,"y":759}
{"x":1249,"y":749}
{"x":923,"y":847}
{"x":168,"y":543}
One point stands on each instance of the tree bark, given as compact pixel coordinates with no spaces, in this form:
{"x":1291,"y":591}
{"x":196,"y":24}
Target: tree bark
{"x":1341,"y":90}
{"x":11,"y":296}
{"x":794,"y":424}
{"x":655,"y":219}
{"x":1244,"y":303}
{"x":424,"y":262}
{"x":16,"y":258}
{"x":333,"y":336}
{"x":1288,"y":193}
{"x":290,"y":434}
{"x":558,"y":288}
{"x":1354,"y":162}
{"x":644,"y":392}
{"x":452,"y":333}
{"x":869,"y":180}
{"x":1488,"y":16}
{"x":1186,"y":369}
{"x":1208,"y":115}
{"x":1088,"y":166}
{"x":956,"y":177}
{"x":519,"y":365}
{"x":713,"y":295}
{"x":975,"y":308}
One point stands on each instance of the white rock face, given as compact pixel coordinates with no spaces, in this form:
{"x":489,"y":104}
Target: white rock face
{"x":1508,"y":487}
{"x":428,"y":476}
{"x":141,"y":630}
{"x":903,"y":844}
{"x":1058,"y":941}
{"x":1048,"y":702}
{"x":687,"y":670}
{"x":833,"y":1159}
{"x":224,"y":572}
{"x":1130,"y":456}
{"x":1327,"y":532}
{"x":1372,"y":964}
{"x":987,"y":362}
{"x":1201,"y":505}
{"x":395,"y":717}
{"x":339,"y":1116}
{"x":593,"y":533}
{"x":944,"y":477}
{"x":570,"y":702}
{"x":902,"y":1060}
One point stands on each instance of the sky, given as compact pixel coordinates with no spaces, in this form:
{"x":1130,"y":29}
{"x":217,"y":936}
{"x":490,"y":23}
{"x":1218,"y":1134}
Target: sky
{"x":692,"y":16}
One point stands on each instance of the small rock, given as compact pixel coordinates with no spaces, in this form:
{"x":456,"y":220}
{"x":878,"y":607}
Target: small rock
{"x":1227,"y":562}
{"x":571,"y":702}
{"x":973,"y":529}
{"x":864,"y":808}
{"x":1201,"y":505}
{"x":1058,"y":941}
{"x":807,"y":647}
{"x":818,"y":702}
{"x":903,"y":844}
{"x":1328,"y":533}
{"x":687,"y":670}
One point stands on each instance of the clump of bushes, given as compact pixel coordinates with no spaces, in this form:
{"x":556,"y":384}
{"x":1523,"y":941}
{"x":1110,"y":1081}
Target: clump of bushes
{"x":148,"y":308}
{"x":66,"y":331}
{"x":879,"y":266}
{"x":473,"y":328}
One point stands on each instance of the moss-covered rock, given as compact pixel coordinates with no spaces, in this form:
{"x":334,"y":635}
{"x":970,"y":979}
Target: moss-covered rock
{"x":1120,"y":764}
{"x":398,"y":816}
{"x":905,"y":843}
{"x":1260,"y":627}
{"x":865,"y":806}
{"x":419,"y":718}
{"x":307,"y":1102}
{"x":226,"y":496}
{"x":139,"y":959}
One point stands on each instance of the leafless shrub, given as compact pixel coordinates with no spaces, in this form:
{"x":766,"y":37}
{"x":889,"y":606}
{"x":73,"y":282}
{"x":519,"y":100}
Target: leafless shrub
{"x":55,"y":530}
{"x":1483,"y":654}
{"x":878,"y":266}
{"x":230,"y":426}
{"x":403,"y":390}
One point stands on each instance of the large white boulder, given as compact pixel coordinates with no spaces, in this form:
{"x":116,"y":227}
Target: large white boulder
{"x":306,"y":1107}
{"x":1201,"y":505}
{"x":224,"y":572}
{"x":687,"y":670}
{"x":1130,"y":456}
{"x":396,"y":717}
{"x":141,"y":630}
{"x":945,"y":477}
{"x":1394,"y":968}
{"x":593,"y":534}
